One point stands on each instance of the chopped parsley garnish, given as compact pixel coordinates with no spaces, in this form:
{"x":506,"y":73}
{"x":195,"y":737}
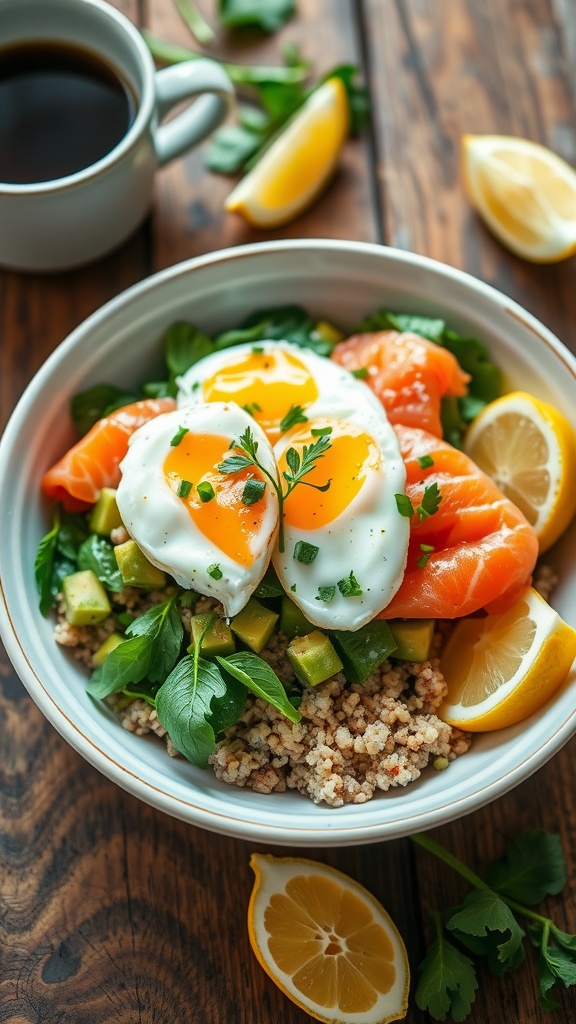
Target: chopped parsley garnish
{"x":293,"y":588}
{"x":321,"y":431}
{"x":404,"y":505}
{"x":205,"y":491}
{"x":326,"y":594}
{"x":305,"y":552}
{"x":184,"y":488}
{"x":349,"y":586}
{"x":215,"y":571}
{"x":361,"y":373}
{"x":294,"y":416}
{"x":257,"y":349}
{"x":425,"y":461}
{"x":180,"y":433}
{"x":253,"y":491}
{"x":251,"y":408}
{"x":428,"y":506}
{"x":427,"y":550}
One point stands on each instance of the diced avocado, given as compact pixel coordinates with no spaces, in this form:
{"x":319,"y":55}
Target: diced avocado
{"x":135,"y":568}
{"x":217,"y":639}
{"x":85,"y":599}
{"x":413,"y":638}
{"x":110,"y":644}
{"x":254,"y":625}
{"x":105,"y":516}
{"x":327,"y":332}
{"x":313,"y":658}
{"x":292,"y":621}
{"x":365,"y":649}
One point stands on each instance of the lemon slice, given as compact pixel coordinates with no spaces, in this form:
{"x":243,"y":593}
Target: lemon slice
{"x":327,"y":942}
{"x":299,"y":163}
{"x":529,"y":450}
{"x":524,"y":192}
{"x":502,"y":668}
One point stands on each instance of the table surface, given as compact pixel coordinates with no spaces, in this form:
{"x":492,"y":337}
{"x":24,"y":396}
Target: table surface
{"x":109,"y":910}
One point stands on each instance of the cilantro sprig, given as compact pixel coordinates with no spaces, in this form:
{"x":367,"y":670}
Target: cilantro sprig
{"x":429,"y":504}
{"x":486,"y":925}
{"x":300,"y":464}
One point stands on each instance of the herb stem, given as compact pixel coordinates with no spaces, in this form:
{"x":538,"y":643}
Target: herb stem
{"x":197,"y":24}
{"x":443,"y":854}
{"x":241,"y":74}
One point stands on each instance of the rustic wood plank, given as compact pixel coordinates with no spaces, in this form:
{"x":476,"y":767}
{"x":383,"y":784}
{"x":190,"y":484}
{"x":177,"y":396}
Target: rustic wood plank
{"x":188,"y":214}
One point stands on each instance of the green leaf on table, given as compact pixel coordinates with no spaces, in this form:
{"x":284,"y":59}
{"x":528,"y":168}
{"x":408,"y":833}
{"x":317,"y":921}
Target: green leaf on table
{"x":268,"y":15}
{"x":257,"y":676}
{"x":446,"y":985}
{"x":481,"y":913}
{"x":557,"y":959}
{"x":87,"y":407}
{"x":357,"y":95}
{"x":97,"y":553}
{"x":195,"y":703}
{"x":231,"y":147}
{"x":533,"y":868}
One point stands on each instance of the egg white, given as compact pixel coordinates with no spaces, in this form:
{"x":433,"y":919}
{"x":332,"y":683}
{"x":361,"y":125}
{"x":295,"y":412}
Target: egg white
{"x":159,"y":521}
{"x":369,"y":538}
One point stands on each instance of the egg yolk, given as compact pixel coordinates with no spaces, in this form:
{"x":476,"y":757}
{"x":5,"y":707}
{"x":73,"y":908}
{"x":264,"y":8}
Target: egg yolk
{"x":225,"y":520}
{"x":351,"y":456}
{"x":266,"y":384}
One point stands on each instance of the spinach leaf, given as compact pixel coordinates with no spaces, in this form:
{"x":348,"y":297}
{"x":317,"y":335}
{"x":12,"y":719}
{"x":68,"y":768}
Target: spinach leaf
{"x":268,"y":15}
{"x":184,"y":345}
{"x":97,"y":553}
{"x":257,"y":676}
{"x":44,"y":564}
{"x":127,"y":663}
{"x":269,"y":585}
{"x":195,"y":703}
{"x":87,"y":407}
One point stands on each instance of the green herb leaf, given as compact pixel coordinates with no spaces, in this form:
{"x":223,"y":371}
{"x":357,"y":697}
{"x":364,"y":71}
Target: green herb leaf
{"x":326,"y":594}
{"x":321,"y":431}
{"x":180,"y":433}
{"x":268,"y":15}
{"x":269,"y":586}
{"x":251,"y":408}
{"x":44,"y":563}
{"x":404,"y":505}
{"x":97,"y":553}
{"x":184,"y":488}
{"x":195,"y":703}
{"x":361,"y":373}
{"x":481,"y":912}
{"x":230,"y":148}
{"x":205,"y":491}
{"x":257,"y":675}
{"x":430,"y":502}
{"x":305,"y":552}
{"x":349,"y":586}
{"x":215,"y":571}
{"x":425,"y":461}
{"x":184,"y":345}
{"x":253,"y":491}
{"x":127,"y":663}
{"x":533,"y":868}
{"x":447,"y":984}
{"x":294,"y":416}
{"x":89,"y":406}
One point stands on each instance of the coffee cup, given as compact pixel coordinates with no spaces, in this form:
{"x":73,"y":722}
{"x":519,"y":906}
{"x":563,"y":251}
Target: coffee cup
{"x":81,"y":106}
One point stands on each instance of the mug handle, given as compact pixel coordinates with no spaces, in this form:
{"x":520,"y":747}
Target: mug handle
{"x":180,"y":82}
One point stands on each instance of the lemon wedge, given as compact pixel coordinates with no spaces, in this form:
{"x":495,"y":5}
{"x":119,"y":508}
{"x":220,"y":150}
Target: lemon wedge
{"x":502,"y":668}
{"x":529,"y":450}
{"x":525,"y":193}
{"x":299,"y":163}
{"x":327,"y":942}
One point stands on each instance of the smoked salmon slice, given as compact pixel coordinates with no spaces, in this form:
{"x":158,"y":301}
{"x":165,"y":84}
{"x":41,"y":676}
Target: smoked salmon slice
{"x":476,"y":548}
{"x":409,"y":374}
{"x":78,"y":477}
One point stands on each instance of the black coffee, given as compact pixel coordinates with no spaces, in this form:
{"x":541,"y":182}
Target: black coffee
{"x":61,"y":110}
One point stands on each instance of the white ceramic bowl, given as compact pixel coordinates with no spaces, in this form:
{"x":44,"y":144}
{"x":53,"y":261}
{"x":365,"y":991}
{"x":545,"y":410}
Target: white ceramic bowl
{"x":341,"y":281}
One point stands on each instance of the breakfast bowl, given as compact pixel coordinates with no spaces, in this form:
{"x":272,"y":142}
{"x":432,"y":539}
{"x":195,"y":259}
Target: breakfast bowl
{"x":121,"y":344}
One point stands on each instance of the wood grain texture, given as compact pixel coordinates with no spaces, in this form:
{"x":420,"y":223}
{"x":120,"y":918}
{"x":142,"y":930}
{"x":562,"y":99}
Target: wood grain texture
{"x":109,"y":910}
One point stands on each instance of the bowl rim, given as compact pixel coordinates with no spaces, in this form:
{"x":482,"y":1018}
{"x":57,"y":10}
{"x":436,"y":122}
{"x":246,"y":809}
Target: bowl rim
{"x":296,"y":833}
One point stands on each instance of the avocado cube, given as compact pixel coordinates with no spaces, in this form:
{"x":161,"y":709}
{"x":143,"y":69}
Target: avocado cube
{"x":135,"y":568}
{"x":313,"y":658}
{"x":413,"y":638}
{"x":217,"y":639}
{"x":110,"y":644}
{"x":326,"y":331}
{"x":254,"y":625}
{"x":105,"y":516}
{"x":85,"y":599}
{"x":292,"y":621}
{"x":364,"y":649}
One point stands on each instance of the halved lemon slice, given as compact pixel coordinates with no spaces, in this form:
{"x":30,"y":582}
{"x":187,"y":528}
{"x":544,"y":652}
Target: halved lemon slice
{"x":502,"y":668}
{"x":327,"y":942}
{"x":299,"y":163}
{"x":529,"y":449}
{"x":525,"y":193}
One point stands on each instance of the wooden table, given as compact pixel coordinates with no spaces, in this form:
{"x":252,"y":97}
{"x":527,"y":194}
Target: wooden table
{"x":110,"y":911}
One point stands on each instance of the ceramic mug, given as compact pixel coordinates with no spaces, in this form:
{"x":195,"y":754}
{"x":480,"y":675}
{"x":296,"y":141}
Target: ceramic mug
{"x":70,"y":220}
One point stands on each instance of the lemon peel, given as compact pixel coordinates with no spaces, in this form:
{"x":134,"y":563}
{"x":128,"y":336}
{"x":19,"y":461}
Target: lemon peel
{"x":326,"y":942}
